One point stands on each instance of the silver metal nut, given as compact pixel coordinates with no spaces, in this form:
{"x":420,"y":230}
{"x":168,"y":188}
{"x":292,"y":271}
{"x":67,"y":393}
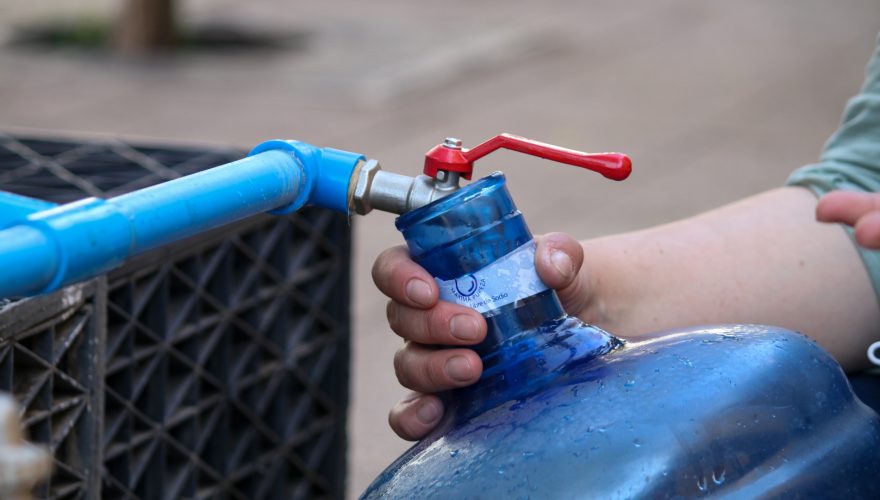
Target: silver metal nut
{"x":360,"y":198}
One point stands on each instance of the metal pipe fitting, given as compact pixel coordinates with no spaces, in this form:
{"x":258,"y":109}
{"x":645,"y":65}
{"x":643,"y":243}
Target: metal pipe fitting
{"x":377,"y":189}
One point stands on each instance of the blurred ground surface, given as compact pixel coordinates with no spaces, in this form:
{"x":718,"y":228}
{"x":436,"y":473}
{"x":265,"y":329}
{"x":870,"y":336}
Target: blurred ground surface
{"x":713,"y":100}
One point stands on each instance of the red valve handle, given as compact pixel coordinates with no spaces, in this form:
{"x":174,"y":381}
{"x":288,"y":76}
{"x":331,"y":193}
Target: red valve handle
{"x":616,"y":166}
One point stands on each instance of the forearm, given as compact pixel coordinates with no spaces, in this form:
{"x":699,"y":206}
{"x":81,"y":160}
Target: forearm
{"x":761,"y":260}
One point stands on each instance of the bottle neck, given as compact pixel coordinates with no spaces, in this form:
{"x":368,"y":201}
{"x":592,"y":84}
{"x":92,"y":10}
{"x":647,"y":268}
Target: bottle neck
{"x":529,"y":345}
{"x":517,"y":317}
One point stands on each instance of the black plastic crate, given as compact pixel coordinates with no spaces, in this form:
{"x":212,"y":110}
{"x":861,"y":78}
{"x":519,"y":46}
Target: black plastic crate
{"x":216,"y":367}
{"x":50,"y":360}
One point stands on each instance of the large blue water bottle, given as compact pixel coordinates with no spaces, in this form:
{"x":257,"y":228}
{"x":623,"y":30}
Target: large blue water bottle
{"x":567,"y":410}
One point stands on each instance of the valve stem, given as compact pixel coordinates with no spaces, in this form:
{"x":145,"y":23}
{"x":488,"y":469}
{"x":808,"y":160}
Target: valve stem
{"x":452,"y":143}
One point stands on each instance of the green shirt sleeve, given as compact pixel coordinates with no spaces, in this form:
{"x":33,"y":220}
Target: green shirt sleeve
{"x":851,"y":157}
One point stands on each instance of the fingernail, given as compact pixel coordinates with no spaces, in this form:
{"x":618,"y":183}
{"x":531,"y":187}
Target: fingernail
{"x":419,"y":292}
{"x":459,"y":368}
{"x":428,"y":412}
{"x":562,"y":262}
{"x":464,"y":327}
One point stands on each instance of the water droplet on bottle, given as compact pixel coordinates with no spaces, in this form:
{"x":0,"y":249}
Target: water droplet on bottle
{"x":629,"y":383}
{"x":500,"y":471}
{"x":453,"y":453}
{"x":567,"y":418}
{"x":637,"y":443}
{"x":718,"y":476}
{"x":701,"y":484}
{"x":528,"y":454}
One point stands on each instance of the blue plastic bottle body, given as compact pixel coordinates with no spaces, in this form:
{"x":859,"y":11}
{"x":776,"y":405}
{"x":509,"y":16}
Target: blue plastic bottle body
{"x":477,"y":235}
{"x":565,"y":410}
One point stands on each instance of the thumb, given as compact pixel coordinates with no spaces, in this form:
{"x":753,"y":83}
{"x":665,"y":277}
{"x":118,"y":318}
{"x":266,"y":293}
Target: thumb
{"x":558,"y":260}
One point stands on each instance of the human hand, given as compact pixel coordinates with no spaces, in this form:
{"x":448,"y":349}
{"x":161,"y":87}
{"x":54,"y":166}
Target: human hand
{"x":860,"y":210}
{"x":424,"y":322}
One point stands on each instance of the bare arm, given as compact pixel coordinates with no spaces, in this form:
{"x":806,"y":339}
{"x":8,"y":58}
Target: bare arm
{"x":764,"y":259}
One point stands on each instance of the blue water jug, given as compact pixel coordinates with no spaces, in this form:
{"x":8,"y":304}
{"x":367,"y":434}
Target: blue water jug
{"x":567,"y":410}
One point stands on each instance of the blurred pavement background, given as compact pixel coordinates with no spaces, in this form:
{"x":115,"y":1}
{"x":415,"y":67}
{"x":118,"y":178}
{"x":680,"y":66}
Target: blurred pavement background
{"x":713,"y":100}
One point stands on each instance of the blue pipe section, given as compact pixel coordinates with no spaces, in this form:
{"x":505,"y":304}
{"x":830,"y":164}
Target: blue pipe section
{"x":14,"y":207}
{"x":59,"y":245}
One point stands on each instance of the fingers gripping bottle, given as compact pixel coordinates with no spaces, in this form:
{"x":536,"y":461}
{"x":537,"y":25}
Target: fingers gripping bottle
{"x":566,"y":410}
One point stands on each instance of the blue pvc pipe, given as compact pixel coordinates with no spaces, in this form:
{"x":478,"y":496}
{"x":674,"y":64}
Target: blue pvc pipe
{"x":51,"y":248}
{"x":168,"y":212}
{"x":28,"y":256}
{"x":14,"y":207}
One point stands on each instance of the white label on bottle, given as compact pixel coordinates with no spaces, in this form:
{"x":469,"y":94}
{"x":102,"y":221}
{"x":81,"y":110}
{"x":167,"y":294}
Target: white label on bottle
{"x":508,"y":279}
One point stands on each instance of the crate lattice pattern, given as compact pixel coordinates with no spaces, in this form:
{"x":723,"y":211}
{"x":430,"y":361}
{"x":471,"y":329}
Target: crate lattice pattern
{"x":48,"y":370}
{"x":224,"y":365}
{"x":62,"y":171}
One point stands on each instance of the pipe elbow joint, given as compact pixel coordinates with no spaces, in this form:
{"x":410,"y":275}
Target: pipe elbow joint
{"x":81,"y":239}
{"x":325,"y":174}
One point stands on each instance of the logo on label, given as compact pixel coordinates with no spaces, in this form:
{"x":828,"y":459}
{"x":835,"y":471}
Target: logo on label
{"x":508,"y":279}
{"x":467,"y":285}
{"x":465,"y":289}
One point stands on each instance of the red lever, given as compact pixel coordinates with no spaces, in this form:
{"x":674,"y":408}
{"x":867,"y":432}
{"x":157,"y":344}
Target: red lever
{"x":451,"y":157}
